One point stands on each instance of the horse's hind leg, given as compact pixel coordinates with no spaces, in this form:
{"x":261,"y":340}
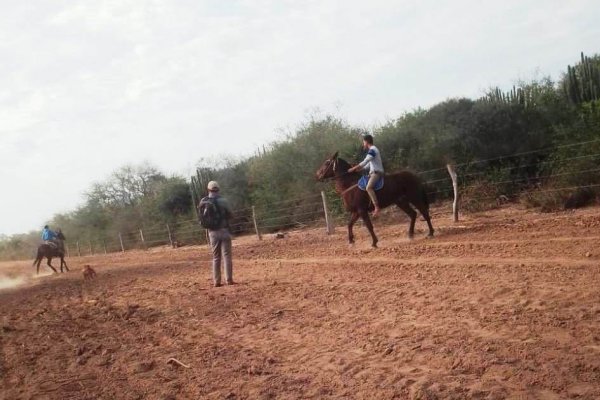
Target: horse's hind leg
{"x":353,"y":219}
{"x":63,"y":262}
{"x":428,"y":219}
{"x":367,"y":220}
{"x":405,"y":206}
{"x":424,"y":210}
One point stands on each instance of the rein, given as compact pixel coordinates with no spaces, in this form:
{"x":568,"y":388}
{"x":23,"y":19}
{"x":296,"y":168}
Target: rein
{"x":349,"y":189}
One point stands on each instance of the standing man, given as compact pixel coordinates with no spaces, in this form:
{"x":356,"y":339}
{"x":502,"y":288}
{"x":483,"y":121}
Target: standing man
{"x":373,"y":162}
{"x":214,"y":213}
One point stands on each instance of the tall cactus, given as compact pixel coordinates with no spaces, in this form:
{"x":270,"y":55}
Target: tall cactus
{"x":582,"y":82}
{"x":524,"y":97}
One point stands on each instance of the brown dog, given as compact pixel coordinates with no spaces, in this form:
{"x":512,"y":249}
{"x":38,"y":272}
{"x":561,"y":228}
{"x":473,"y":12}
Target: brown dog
{"x":88,"y":273}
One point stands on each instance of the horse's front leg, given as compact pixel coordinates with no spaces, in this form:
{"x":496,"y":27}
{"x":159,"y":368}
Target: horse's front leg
{"x":367,"y":220}
{"x":37,"y":264}
{"x":353,"y":219}
{"x":50,"y":265}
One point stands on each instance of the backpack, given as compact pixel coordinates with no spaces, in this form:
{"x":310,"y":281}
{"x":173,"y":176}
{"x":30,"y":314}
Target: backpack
{"x":210,"y":214}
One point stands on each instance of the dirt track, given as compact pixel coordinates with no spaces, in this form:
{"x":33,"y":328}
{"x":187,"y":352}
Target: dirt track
{"x":504,"y":304}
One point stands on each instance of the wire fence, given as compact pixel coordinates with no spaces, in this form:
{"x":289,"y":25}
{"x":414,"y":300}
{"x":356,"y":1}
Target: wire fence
{"x":263,"y":219}
{"x":325,"y":209}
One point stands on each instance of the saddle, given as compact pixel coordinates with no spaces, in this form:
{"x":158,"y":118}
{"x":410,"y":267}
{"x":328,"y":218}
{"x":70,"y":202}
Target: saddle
{"x":60,"y":246}
{"x":362,"y":183}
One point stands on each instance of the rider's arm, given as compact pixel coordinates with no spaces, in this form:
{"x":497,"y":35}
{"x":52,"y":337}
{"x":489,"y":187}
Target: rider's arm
{"x":370,"y":156}
{"x":365,"y":162}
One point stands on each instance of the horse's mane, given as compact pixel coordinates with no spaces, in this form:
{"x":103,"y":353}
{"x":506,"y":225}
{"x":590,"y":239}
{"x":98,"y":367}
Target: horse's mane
{"x":343,"y":163}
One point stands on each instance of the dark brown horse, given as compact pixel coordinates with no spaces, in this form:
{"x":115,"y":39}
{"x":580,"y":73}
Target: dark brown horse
{"x":401,"y":188}
{"x":49,"y":251}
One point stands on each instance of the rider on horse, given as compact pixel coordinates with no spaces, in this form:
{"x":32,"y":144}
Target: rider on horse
{"x":50,"y":237}
{"x":53,"y":246}
{"x":373,"y":162}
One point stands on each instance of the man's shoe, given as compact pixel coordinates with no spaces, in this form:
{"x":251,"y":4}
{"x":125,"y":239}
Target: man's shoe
{"x":218,"y":284}
{"x":230,"y":282}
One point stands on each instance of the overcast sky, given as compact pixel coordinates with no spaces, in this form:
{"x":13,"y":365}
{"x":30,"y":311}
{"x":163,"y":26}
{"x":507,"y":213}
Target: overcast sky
{"x":88,"y":86}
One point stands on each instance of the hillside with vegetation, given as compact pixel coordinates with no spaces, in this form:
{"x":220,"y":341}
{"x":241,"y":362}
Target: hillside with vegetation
{"x":542,"y":137}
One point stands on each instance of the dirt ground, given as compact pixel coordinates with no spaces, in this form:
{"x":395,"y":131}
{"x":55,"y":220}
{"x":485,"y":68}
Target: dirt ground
{"x":502,"y":305}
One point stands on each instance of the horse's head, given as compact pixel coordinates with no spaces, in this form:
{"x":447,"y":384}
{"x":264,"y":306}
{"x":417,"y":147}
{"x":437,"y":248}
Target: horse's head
{"x":327,"y":169}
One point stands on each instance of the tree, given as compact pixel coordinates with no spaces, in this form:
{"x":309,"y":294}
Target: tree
{"x":174,"y":199}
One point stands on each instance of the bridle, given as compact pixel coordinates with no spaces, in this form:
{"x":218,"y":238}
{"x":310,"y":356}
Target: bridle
{"x":333,"y":166}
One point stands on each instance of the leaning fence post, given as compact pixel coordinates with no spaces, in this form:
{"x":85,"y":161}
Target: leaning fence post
{"x":454,"y":177}
{"x":255,"y":224}
{"x":78,"y":250}
{"x":170,"y":236}
{"x":143,"y":241}
{"x":121,"y":241}
{"x":328,"y":221}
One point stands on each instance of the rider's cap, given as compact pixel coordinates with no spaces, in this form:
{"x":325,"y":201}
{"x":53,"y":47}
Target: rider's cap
{"x":213,"y":185}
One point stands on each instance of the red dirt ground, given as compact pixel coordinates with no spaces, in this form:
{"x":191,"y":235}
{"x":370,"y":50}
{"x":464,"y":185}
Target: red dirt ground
{"x":503,"y":305}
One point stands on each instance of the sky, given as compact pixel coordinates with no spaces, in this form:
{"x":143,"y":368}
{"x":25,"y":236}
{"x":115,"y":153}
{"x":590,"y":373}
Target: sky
{"x":89,"y":86}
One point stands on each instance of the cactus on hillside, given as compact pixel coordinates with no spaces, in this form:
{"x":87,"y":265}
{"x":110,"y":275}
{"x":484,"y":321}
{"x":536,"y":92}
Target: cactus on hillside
{"x":582,"y":81}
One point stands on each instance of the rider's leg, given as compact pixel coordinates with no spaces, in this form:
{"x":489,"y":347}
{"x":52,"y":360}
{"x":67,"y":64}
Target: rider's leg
{"x":373,"y":179}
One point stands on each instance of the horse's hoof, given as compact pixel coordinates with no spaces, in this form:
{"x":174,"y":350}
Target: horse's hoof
{"x":374,"y":245}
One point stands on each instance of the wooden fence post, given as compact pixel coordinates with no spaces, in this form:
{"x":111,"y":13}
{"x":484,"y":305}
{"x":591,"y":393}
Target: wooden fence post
{"x":90,"y":248}
{"x":78,"y":250}
{"x":104,"y":245}
{"x":67,"y":250}
{"x":170,"y":236}
{"x":328,"y":221}
{"x":454,"y":177}
{"x":121,"y":241}
{"x":143,"y":241}
{"x":258,"y":235}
